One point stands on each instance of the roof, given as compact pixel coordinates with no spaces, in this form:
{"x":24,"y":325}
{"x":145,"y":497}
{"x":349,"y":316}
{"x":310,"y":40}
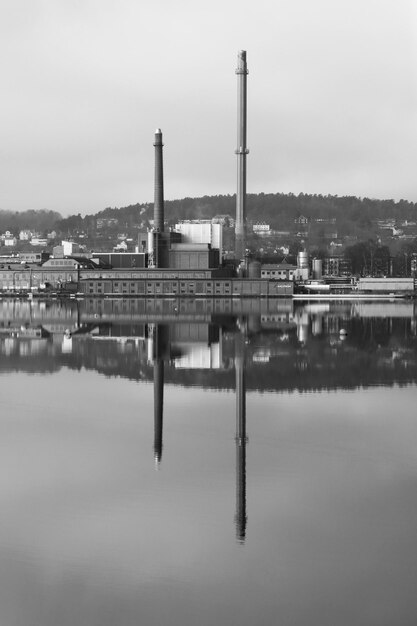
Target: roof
{"x":278,"y":266}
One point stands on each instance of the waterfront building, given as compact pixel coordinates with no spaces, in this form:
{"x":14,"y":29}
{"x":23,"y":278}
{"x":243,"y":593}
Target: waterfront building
{"x":278,"y":271}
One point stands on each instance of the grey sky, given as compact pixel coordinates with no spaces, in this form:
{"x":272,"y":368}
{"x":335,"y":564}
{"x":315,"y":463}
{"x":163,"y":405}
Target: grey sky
{"x":332,"y":97}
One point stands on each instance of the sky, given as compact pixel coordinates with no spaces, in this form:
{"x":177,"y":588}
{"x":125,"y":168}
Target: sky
{"x":332,"y":99}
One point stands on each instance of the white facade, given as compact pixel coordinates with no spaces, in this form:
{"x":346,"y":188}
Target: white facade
{"x":25,"y":235}
{"x":202,"y":233}
{"x":69,"y":248}
{"x":199,"y":356}
{"x":261,"y":228}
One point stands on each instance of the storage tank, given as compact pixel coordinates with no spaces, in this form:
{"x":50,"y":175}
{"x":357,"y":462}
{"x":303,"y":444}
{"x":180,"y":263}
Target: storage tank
{"x":254,"y":269}
{"x":317,"y":269}
{"x":302,"y":259}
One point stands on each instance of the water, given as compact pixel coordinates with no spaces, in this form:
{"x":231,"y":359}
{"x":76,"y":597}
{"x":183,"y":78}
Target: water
{"x":207,"y":463}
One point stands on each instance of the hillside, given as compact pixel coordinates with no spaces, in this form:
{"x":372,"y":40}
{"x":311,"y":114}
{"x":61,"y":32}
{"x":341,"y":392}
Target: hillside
{"x":279,"y":210}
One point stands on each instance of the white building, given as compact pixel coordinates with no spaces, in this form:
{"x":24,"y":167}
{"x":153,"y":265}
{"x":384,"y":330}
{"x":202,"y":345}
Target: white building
{"x":25,"y":235}
{"x":206,"y":232}
{"x":10,"y":242}
{"x":70,"y":247}
{"x":260,"y":228}
{"x":38,"y":241}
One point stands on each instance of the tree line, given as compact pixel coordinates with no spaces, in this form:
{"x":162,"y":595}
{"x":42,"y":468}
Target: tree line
{"x":352,"y":214}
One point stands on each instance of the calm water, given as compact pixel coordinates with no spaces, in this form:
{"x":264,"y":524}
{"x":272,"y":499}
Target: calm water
{"x":208,"y":463}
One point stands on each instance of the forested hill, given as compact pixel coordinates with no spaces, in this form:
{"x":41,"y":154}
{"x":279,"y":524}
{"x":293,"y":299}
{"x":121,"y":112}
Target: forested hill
{"x":278,"y":210}
{"x":40,"y":221}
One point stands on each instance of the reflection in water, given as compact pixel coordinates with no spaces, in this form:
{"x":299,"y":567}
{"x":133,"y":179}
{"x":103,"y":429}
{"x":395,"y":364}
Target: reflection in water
{"x":311,"y":346}
{"x":156,"y":345}
{"x":241,"y":439}
{"x":160,"y":346}
{"x":107,"y":540}
{"x":158,"y":375}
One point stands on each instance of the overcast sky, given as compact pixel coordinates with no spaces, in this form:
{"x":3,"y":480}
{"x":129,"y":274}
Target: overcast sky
{"x":332,"y":99}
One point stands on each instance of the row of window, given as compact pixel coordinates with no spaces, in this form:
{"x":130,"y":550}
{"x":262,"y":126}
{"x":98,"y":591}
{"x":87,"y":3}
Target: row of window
{"x":184,"y":287}
{"x":209,"y":288}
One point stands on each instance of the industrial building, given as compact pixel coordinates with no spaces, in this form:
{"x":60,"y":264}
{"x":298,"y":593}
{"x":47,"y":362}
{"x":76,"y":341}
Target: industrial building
{"x":183,"y":262}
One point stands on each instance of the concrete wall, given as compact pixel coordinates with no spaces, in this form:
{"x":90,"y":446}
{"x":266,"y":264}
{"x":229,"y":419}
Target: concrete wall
{"x":394,"y":285}
{"x":193,"y":259}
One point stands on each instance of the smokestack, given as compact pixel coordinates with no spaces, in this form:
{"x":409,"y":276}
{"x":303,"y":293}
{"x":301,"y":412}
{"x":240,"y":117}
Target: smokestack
{"x":241,"y":152}
{"x":158,"y":210}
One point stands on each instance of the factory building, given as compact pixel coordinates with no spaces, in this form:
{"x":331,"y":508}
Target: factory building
{"x":198,"y":256}
{"x":201,"y":232}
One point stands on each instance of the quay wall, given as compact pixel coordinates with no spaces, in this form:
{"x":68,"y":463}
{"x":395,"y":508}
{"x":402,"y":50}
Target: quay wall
{"x":386,"y":285}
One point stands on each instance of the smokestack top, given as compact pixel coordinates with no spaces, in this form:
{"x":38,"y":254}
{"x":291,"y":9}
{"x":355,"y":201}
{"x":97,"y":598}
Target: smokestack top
{"x":241,"y":63}
{"x":158,"y":137}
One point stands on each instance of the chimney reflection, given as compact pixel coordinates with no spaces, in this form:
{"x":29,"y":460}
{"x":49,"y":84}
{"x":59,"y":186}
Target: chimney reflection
{"x":241,"y":438}
{"x":158,"y":395}
{"x":159,"y":338}
{"x":156,"y":348}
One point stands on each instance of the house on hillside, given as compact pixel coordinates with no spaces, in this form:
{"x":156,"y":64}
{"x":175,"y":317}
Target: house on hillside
{"x":301,"y":219}
{"x":224,"y":220}
{"x":261,"y":228}
{"x":120,"y":247}
{"x":10,"y":241}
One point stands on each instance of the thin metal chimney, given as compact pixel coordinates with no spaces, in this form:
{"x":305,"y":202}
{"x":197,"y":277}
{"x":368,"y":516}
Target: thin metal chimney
{"x":158,"y":210}
{"x":241,"y":152}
